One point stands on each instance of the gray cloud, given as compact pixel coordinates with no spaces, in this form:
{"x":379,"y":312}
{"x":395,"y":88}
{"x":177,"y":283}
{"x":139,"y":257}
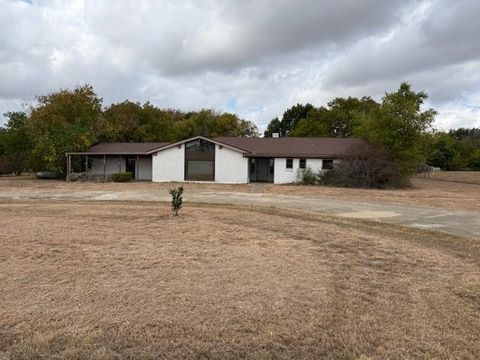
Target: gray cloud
{"x":254,"y":57}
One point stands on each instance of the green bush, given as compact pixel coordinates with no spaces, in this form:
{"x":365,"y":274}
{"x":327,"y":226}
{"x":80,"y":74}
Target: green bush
{"x":306,"y":176}
{"x":177,"y":199}
{"x":122,"y":177}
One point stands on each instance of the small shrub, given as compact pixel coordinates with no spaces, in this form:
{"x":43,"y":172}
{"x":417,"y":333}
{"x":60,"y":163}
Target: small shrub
{"x":177,"y":199}
{"x":306,"y":176}
{"x":122,"y":177}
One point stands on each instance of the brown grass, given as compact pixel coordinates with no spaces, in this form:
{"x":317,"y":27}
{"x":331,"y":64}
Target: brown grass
{"x":127,"y":280}
{"x":472,"y":177}
{"x":425,"y":192}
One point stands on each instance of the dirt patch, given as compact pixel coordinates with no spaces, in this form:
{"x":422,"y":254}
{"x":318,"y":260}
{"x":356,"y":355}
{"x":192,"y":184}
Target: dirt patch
{"x":110,"y":280}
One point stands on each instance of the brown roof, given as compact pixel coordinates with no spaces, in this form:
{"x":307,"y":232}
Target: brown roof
{"x":299,"y":147}
{"x":292,"y":147}
{"x":122,"y":148}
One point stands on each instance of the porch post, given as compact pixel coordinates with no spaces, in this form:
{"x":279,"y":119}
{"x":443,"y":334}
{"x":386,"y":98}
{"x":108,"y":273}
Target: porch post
{"x":69,"y":164}
{"x":136,"y":168}
{"x":104,"y":167}
{"x":86,"y":163}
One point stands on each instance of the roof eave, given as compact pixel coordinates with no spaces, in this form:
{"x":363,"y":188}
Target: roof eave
{"x":107,"y":153}
{"x":296,"y":156}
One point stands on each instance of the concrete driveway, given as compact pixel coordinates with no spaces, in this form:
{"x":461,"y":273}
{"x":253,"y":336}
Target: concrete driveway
{"x":457,"y":222}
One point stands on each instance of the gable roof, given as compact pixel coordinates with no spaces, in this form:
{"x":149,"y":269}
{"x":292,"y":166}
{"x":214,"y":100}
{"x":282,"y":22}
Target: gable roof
{"x":298,"y":147}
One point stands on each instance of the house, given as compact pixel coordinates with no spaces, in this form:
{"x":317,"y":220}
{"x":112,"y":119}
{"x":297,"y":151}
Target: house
{"x":230,"y":160}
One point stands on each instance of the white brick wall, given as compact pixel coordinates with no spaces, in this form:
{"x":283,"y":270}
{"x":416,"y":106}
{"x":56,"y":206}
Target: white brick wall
{"x":230,"y":166}
{"x":169,"y":165}
{"x":282,"y":175}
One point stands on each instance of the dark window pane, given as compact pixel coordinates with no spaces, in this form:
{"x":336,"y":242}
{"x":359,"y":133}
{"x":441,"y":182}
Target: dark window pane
{"x":327,"y":164}
{"x":200,"y":167}
{"x":200,"y":145}
{"x":303,"y":163}
{"x":289,"y":163}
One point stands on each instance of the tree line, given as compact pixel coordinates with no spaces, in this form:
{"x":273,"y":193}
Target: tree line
{"x":397,"y":123}
{"x":74,"y":120}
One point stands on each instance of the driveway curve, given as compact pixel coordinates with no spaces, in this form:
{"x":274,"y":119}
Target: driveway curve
{"x":464,"y":223}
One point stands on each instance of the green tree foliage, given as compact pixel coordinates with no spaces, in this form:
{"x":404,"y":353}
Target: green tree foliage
{"x":338,"y":119}
{"x":64,"y":121}
{"x":15,"y":144}
{"x":289,"y":121}
{"x":73,"y":120}
{"x":456,"y":150}
{"x":399,"y":125}
{"x":177,"y":199}
{"x":132,"y":122}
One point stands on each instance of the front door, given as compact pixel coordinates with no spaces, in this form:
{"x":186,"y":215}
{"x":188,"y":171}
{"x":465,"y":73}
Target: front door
{"x":130,"y":166}
{"x":261,"y":169}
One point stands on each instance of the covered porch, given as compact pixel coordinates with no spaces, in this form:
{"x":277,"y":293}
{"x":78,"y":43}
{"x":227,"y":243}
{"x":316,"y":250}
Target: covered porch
{"x":102,"y":166}
{"x":105,"y":159}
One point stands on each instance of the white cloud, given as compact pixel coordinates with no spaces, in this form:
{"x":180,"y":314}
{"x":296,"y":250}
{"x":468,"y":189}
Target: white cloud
{"x":455,"y":115}
{"x":260,"y":55}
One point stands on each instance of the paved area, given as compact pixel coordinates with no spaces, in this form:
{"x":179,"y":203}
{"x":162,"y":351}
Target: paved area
{"x":463,"y":223}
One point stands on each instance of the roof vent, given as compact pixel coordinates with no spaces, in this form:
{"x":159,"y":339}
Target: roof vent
{"x":275,"y":135}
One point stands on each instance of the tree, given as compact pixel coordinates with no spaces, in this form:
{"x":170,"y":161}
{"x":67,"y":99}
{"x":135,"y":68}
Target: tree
{"x":63,"y":121}
{"x":343,"y":114}
{"x":474,"y":160}
{"x":275,"y":126}
{"x":442,"y":151}
{"x":338,"y":119}
{"x":121,"y":122}
{"x":208,"y":123}
{"x":15,"y":143}
{"x":316,"y":123}
{"x":289,"y":121}
{"x":399,"y":125}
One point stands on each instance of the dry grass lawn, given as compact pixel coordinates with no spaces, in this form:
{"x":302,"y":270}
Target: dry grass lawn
{"x":127,"y":280}
{"x":472,"y":177}
{"x":425,"y":192}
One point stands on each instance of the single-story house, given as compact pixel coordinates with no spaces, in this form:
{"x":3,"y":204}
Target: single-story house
{"x":230,"y":160}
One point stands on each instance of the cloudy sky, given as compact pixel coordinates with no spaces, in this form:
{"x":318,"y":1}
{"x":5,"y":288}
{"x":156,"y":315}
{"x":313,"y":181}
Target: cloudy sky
{"x":252,"y":57}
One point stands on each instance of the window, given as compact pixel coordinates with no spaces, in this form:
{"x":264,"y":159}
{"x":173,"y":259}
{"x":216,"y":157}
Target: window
{"x":327,"y":164}
{"x":200,"y":160}
{"x":199,"y":167}
{"x":200,"y":145}
{"x":289,"y":163}
{"x":303,"y":163}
